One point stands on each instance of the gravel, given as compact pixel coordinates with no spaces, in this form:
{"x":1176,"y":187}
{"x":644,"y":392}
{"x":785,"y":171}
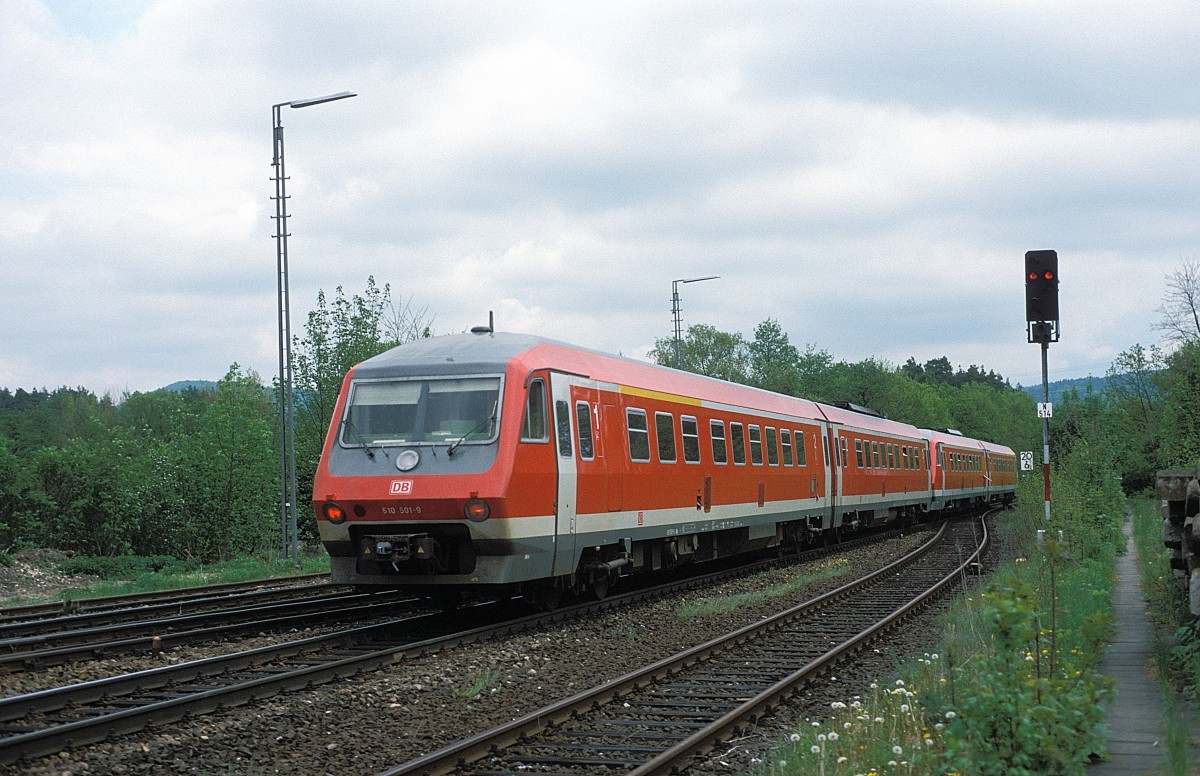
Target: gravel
{"x":368,"y":723}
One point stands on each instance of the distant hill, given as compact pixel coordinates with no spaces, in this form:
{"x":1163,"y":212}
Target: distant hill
{"x":190,"y":385}
{"x":1058,"y":388}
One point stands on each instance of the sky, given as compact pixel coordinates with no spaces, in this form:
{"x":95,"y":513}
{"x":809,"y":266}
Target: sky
{"x":868,"y":174}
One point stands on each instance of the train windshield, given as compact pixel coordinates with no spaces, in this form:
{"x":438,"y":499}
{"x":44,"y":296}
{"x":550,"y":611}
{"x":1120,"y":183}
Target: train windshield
{"x":422,"y":411}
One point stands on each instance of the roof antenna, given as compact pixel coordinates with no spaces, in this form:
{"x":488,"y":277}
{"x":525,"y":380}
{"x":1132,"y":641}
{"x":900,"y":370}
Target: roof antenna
{"x":489,"y":329}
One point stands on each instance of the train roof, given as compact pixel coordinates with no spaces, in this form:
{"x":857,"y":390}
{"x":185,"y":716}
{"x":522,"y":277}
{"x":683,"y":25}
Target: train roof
{"x":492,"y":352}
{"x":450,"y":354}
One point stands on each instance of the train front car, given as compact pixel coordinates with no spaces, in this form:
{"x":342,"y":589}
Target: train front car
{"x":413,"y":487}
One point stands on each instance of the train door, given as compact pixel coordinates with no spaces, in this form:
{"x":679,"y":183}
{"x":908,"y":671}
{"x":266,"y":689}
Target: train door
{"x":565,"y":515}
{"x":612,"y":431}
{"x":833,"y":479}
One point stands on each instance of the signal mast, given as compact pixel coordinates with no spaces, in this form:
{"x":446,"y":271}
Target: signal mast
{"x":1042,"y":327}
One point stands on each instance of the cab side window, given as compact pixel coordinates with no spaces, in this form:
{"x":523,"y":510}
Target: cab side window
{"x":583,"y":426}
{"x":533,"y":427}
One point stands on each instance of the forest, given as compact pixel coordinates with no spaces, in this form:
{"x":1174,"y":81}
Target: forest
{"x":195,"y":473}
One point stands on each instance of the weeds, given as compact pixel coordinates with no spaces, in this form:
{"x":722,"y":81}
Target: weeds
{"x":477,"y":682}
{"x":717,"y":605}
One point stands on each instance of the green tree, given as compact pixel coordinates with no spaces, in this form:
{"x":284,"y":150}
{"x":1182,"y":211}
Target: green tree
{"x":1179,"y":408}
{"x":707,"y":351}
{"x":18,"y":528}
{"x":773,"y":359}
{"x":233,"y":473}
{"x":1133,"y":400}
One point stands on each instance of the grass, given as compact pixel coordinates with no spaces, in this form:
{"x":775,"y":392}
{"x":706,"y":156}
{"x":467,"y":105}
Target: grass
{"x":711,"y":606}
{"x":1176,"y":635}
{"x":123,"y":575}
{"x":1014,"y":688}
{"x":477,"y":681}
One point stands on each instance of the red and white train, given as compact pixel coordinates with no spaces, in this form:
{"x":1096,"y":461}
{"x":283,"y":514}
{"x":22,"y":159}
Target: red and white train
{"x":502,"y":461}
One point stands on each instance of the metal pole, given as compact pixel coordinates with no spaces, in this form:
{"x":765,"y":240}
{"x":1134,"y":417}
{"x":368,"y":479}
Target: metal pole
{"x":286,"y":442}
{"x":675,"y":312}
{"x":675,"y":318}
{"x":289,"y":523}
{"x":1046,"y":424}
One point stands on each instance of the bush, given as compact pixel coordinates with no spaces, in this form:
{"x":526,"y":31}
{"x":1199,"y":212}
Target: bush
{"x":124,"y":566}
{"x":1027,"y":706}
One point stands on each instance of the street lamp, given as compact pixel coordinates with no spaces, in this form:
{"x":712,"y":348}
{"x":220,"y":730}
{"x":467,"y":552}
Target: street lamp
{"x":675,"y":309}
{"x":287,"y":437}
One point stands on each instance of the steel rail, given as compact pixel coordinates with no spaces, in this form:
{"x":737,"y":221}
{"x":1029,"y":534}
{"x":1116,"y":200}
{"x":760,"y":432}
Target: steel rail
{"x":375,"y":646}
{"x":23,"y":612}
{"x":522,"y":730}
{"x":155,"y":635}
{"x":95,"y":618}
{"x":721,"y":729}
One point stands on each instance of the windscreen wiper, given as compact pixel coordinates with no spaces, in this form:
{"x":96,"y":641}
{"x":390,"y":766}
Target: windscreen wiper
{"x":485,"y":423}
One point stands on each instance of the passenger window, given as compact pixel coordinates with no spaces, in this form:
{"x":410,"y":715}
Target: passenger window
{"x":639,"y":435}
{"x":891,"y":452}
{"x":533,"y":428}
{"x":874,"y":455}
{"x":664,"y":429}
{"x":691,"y":439}
{"x":737,"y":440}
{"x":562,"y":419}
{"x":756,"y":446}
{"x":716,"y":429}
{"x":845,"y":455}
{"x":801,"y":449}
{"x":858,"y":456}
{"x":772,"y":447}
{"x":785,"y":441}
{"x":583,"y":425}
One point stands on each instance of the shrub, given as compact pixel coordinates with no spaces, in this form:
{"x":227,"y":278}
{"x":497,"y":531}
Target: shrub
{"x":117,"y":566}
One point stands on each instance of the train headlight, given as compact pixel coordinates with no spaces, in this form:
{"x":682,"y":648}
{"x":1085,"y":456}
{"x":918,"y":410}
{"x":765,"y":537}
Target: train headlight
{"x":333,"y":513}
{"x":477,"y":510}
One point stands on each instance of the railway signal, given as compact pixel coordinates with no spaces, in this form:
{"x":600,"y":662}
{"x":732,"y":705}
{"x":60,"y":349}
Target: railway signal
{"x":1041,"y":295}
{"x":1041,"y":326}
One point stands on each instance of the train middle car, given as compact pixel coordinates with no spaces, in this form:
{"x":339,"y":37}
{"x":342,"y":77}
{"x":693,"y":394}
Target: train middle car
{"x":490,"y":461}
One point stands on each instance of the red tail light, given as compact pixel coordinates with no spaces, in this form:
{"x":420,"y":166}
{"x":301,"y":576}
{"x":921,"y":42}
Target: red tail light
{"x":333,"y":513}
{"x":477,"y":510}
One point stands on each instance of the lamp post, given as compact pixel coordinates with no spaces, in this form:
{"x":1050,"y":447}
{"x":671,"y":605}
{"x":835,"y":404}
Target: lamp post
{"x":675,"y":309}
{"x":287,"y":438}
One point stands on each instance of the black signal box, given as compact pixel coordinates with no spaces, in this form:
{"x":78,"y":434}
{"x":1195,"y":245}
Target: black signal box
{"x":1041,"y":286}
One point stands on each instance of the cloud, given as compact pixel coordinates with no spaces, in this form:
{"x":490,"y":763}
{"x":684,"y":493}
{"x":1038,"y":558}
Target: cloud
{"x":869,"y":177}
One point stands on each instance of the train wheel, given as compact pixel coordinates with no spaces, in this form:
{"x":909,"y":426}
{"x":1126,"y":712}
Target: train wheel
{"x":546,"y":597}
{"x":600,"y":586}
{"x":446,"y":598}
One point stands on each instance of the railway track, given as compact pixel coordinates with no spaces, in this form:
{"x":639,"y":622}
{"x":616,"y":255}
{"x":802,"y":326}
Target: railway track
{"x":111,"y":617}
{"x":211,"y":595}
{"x":656,"y":719}
{"x":50,"y":721}
{"x":53,"y":647}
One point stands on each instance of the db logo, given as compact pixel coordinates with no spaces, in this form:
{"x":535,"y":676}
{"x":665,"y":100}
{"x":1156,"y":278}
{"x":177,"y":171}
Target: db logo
{"x":401,"y":487}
